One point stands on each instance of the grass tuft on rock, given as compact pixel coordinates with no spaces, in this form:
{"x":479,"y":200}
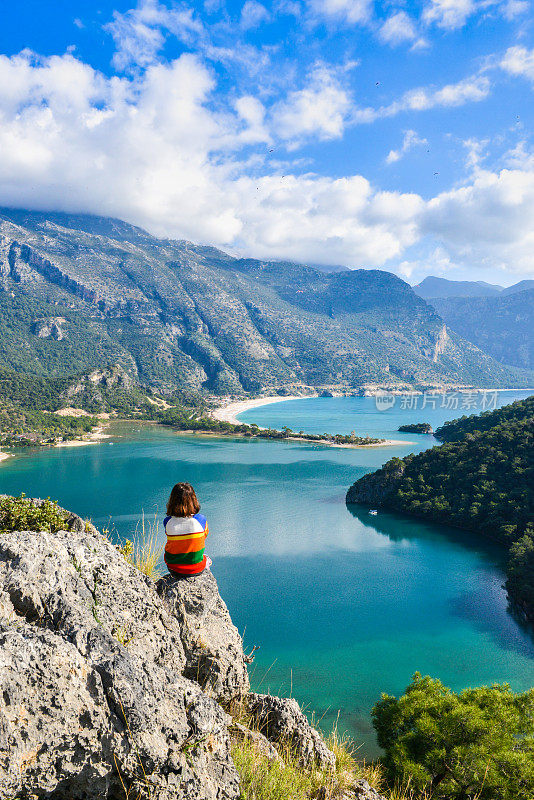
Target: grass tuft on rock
{"x":284,"y":778}
{"x":144,"y":550}
{"x":24,"y":514}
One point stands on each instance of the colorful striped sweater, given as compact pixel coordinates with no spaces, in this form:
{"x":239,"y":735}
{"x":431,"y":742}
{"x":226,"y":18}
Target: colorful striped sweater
{"x":186,"y":537}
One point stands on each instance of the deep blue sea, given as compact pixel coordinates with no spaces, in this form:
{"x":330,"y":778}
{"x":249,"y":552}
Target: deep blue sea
{"x":342,"y":604}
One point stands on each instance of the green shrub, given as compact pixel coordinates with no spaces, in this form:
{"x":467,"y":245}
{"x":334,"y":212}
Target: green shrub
{"x":478,"y":743}
{"x":21,"y":514}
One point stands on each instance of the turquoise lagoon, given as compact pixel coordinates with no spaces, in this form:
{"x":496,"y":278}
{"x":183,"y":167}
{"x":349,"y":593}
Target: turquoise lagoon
{"x":342,"y":604}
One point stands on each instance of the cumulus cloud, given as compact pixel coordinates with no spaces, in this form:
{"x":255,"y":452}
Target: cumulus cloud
{"x":453,"y":14}
{"x":154,"y":151}
{"x":519,"y":61}
{"x":398,"y":28}
{"x":158,"y":150}
{"x":514,"y":8}
{"x":411,"y":140}
{"x":319,"y":109}
{"x":468,"y":90}
{"x":449,"y":14}
{"x":488,"y":221}
{"x":253,"y":14}
{"x":351,"y":11}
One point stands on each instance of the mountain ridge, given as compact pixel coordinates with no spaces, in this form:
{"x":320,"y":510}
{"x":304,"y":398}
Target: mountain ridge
{"x":434,"y":288}
{"x":174,"y":313}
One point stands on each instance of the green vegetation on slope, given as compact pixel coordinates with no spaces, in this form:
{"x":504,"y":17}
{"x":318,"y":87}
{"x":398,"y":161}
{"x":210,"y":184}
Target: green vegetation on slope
{"x":481,"y":479}
{"x":478,"y":743}
{"x":22,"y":514}
{"x":85,"y":292}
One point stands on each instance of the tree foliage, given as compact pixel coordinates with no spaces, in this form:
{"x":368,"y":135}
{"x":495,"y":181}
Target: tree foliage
{"x":480,"y":479}
{"x":478,"y":743}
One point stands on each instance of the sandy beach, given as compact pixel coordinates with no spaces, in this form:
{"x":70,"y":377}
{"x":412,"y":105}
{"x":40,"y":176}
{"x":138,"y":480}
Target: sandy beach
{"x":3,"y":456}
{"x":229,"y":412}
{"x":92,"y":438}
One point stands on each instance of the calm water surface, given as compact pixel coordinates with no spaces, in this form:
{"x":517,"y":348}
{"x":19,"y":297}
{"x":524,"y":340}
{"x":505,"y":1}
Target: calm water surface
{"x":344,"y":605}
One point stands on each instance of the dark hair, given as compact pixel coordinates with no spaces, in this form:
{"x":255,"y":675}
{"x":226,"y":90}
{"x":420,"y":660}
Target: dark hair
{"x":182,"y":501}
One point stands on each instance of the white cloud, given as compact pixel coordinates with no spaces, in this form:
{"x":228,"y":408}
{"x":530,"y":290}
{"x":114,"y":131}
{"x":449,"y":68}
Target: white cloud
{"x":320,"y":109}
{"x":519,"y":61}
{"x":468,"y":90}
{"x":449,"y":14}
{"x":159,"y":151}
{"x":411,"y":140}
{"x":487,"y":222}
{"x":139,"y":33}
{"x":153,"y":150}
{"x":253,"y":14}
{"x":398,"y":28}
{"x":453,"y":14}
{"x":351,"y":11}
{"x":514,"y":8}
{"x":519,"y":157}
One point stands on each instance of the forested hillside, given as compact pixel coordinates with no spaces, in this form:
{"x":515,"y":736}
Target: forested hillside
{"x":83,"y":293}
{"x":481,"y":479}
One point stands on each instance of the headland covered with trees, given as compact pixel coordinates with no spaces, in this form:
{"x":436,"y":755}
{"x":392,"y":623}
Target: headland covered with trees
{"x":480,"y":479}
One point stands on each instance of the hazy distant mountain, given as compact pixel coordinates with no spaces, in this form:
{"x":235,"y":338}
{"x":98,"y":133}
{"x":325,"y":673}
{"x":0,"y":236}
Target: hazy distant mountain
{"x":83,"y":292}
{"x":502,"y":326}
{"x":518,"y":287}
{"x":432,"y":287}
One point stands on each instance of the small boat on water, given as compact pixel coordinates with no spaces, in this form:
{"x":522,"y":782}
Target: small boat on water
{"x":373,"y":511}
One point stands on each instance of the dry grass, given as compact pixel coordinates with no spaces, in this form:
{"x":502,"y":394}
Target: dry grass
{"x":285,"y":779}
{"x":144,"y":550}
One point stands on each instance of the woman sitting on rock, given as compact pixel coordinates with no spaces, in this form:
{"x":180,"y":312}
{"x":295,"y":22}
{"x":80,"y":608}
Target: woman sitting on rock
{"x":186,"y":531}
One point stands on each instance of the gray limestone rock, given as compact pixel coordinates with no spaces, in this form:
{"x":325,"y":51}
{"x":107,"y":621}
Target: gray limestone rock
{"x":93,"y":696}
{"x":260,"y":742}
{"x":362,"y":791}
{"x":280,"y":718}
{"x":212,"y":645}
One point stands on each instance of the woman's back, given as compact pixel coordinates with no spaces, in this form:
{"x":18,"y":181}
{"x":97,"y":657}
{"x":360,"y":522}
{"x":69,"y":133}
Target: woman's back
{"x":186,"y":538}
{"x":186,"y":531}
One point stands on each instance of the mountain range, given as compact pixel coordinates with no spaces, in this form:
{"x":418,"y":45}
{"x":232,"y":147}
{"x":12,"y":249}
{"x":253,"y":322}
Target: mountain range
{"x":83,"y":294}
{"x":499,"y":321}
{"x":432,"y":288}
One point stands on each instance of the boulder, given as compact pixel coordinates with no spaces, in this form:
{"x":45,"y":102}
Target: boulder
{"x":260,"y":742}
{"x":94,"y":699}
{"x":212,"y":645}
{"x":280,"y":719}
{"x":363,"y":791}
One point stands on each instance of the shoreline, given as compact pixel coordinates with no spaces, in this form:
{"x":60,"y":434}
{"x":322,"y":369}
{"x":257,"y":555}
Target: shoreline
{"x":229,"y":411}
{"x":4,"y":456}
{"x":320,"y":442}
{"x":95,"y":437}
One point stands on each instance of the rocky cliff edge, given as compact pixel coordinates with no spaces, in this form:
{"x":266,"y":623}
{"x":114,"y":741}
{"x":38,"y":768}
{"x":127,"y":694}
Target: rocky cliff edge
{"x":113,"y":685}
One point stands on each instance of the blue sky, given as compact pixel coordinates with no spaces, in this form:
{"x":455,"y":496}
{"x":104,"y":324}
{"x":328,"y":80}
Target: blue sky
{"x":392,"y":135}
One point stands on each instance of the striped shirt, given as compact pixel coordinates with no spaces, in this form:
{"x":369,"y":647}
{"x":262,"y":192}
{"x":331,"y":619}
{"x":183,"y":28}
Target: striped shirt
{"x":186,"y":537}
